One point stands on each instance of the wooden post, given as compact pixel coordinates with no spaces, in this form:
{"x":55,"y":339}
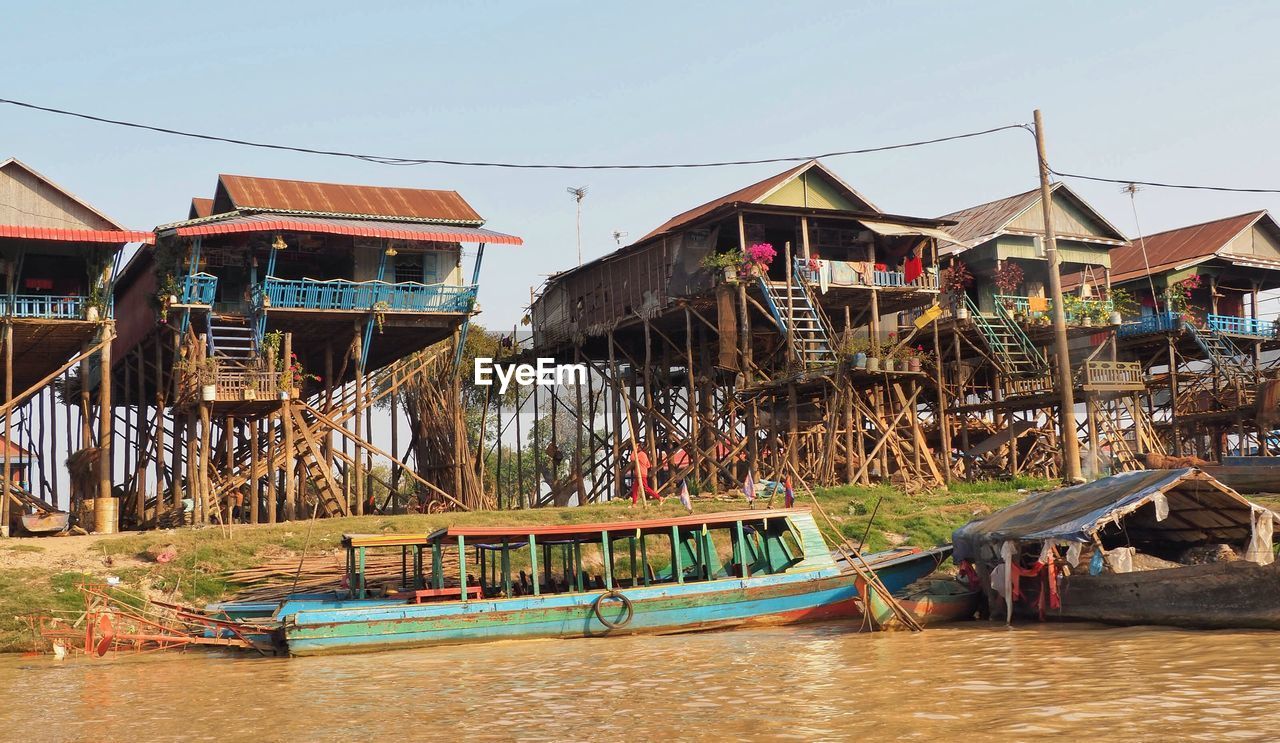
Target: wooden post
{"x":207,"y":506}
{"x":286,"y":420}
{"x":1173,"y":398}
{"x":193,"y":485}
{"x":1062,"y":354}
{"x":272,"y":451}
{"x":104,"y":407}
{"x":255,"y":483}
{"x":7,"y":475}
{"x":615,"y":387}
{"x":691,"y":393}
{"x":140,"y":475}
{"x":358,"y":485}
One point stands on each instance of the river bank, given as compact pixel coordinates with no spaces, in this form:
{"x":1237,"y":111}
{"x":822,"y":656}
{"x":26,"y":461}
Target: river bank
{"x":39,"y":575}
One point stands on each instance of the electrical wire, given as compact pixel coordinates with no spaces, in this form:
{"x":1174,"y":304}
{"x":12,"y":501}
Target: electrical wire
{"x":1157,"y":184}
{"x":389,"y":160}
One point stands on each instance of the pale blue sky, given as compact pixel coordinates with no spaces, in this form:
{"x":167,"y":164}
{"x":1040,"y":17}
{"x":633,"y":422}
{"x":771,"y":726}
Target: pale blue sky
{"x":1182,"y":91}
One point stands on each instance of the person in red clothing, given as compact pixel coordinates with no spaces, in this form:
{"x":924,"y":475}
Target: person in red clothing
{"x":641,"y":479}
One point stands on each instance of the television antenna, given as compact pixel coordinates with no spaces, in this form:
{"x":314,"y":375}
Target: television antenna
{"x":578,"y":193}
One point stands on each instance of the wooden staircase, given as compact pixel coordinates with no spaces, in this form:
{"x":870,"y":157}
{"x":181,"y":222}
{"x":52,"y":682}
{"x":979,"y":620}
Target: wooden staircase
{"x":1010,"y":346}
{"x":810,"y":341}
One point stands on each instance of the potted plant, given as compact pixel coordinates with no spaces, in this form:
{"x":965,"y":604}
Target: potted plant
{"x":207,"y":378}
{"x":1123,"y":303}
{"x":873,"y":363}
{"x":758,"y":258}
{"x":1008,"y":280}
{"x":855,"y":349}
{"x":954,"y":280}
{"x":727,"y":263}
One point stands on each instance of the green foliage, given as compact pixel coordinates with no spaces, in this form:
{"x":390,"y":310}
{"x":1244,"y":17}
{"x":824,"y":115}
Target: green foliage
{"x":1124,"y":302}
{"x":720,"y":261}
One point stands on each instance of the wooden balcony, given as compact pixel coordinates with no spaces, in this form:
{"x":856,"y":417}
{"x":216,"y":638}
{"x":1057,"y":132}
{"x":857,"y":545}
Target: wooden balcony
{"x":1244,"y":327}
{"x":199,"y":289}
{"x":1113,"y":376}
{"x":849,"y":274}
{"x":364,"y":296}
{"x":46,"y":307}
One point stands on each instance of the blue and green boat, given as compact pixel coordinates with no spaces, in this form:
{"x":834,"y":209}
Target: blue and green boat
{"x":688,"y":573}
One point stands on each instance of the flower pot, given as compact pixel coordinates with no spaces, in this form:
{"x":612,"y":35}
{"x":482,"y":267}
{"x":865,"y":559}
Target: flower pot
{"x":266,"y":301}
{"x":1086,"y":321}
{"x":913,"y":364}
{"x":284,"y":394}
{"x":873,"y":364}
{"x":860,"y":360}
{"x":1116,"y":318}
{"x":91,"y":314}
{"x":173,"y":299}
{"x":295,"y":393}
{"x":208,"y":392}
{"x":887,"y":365}
{"x":730,"y":274}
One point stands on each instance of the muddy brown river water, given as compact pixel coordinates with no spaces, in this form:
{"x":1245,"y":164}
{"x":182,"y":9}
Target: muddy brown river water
{"x":812,"y":682}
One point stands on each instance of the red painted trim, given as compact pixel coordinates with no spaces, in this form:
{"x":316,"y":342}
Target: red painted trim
{"x":335,"y":227}
{"x":79,"y":236}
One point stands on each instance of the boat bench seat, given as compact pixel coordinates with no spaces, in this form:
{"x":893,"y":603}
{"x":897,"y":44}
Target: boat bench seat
{"x":425,"y":595}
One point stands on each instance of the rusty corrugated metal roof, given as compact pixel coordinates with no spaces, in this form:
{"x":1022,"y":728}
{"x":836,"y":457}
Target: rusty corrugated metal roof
{"x":249,"y":194}
{"x":977,"y":224}
{"x":751,"y":194}
{"x":1165,"y":250}
{"x":394,"y":230}
{"x":984,"y":220}
{"x":200,"y":208}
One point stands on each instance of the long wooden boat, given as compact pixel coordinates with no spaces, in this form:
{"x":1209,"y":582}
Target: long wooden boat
{"x":1215,"y":595}
{"x":931,"y":602}
{"x":669,"y":575}
{"x":1247,"y":479}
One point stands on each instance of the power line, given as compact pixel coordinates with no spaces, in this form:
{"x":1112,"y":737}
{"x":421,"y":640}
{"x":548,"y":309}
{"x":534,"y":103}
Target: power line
{"x":1157,"y":184}
{"x":390,"y":160}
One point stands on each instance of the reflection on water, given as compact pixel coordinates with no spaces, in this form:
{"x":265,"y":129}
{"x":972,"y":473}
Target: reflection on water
{"x":818,"y":681}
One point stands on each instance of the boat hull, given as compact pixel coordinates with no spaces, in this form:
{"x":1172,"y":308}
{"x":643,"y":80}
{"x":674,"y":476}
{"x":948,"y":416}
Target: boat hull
{"x":656,"y":609}
{"x":1216,"y":595}
{"x":668,"y":608}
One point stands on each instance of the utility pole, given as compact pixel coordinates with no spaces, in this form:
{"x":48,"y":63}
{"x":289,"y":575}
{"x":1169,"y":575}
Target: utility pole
{"x":577,"y":194}
{"x":1067,"y":400}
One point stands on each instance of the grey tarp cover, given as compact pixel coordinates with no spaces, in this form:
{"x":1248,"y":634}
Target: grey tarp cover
{"x":1074,"y":514}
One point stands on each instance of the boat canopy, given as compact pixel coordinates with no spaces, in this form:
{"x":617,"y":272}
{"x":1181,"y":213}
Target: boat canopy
{"x":1184,"y":506}
{"x":570,"y":532}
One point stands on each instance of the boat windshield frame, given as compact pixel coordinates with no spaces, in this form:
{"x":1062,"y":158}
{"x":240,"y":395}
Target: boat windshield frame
{"x":756,"y":546}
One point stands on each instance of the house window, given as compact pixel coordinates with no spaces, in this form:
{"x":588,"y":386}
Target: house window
{"x":408,"y":268}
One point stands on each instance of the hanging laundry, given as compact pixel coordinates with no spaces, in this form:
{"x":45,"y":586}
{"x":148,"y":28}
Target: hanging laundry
{"x":912,"y":267}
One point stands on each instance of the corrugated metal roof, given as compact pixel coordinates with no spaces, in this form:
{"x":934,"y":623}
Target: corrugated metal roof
{"x":1164,"y":250}
{"x":246,"y":193}
{"x":980,"y":223}
{"x":75,"y":236}
{"x":200,"y":208}
{"x":751,"y":194}
{"x":239,"y":223}
{"x":975,"y":224}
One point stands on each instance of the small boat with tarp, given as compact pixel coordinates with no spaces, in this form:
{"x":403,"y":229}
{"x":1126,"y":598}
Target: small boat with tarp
{"x":1163,"y":547}
{"x":669,"y":575}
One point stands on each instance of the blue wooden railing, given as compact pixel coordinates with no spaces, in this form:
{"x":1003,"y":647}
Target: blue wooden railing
{"x":364,"y":296}
{"x":845,"y":273}
{"x":48,"y":306}
{"x":1163,"y":322}
{"x":1249,"y":326}
{"x":199,"y":288}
